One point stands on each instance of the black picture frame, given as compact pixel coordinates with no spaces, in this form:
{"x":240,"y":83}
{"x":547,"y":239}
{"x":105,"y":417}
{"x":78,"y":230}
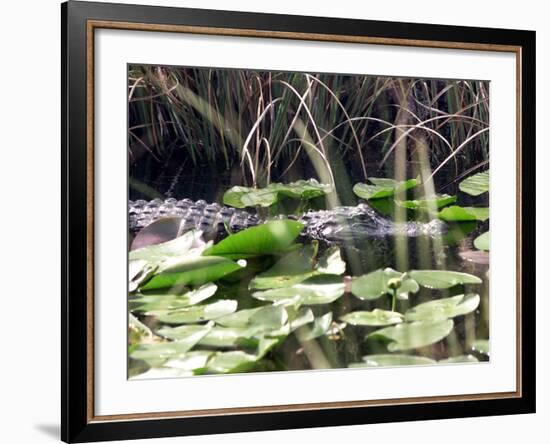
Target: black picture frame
{"x":77,"y":424}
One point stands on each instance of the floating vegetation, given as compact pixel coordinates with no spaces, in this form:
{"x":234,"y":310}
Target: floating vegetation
{"x":305,"y":221}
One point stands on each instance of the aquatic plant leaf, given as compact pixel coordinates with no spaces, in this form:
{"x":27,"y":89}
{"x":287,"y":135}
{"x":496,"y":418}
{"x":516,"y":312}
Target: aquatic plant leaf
{"x":302,"y":317}
{"x":320,"y":327}
{"x":483,"y":241}
{"x":458,"y":359}
{"x":269,"y":238}
{"x":374,"y":318}
{"x":382,"y":188}
{"x":190,"y":241}
{"x":309,"y":292}
{"x":137,"y":331}
{"x":239,"y":318}
{"x":481,"y":346}
{"x":297,"y":266}
{"x":157,"y":353}
{"x":475,"y":185}
{"x":150,"y":303}
{"x":436,"y":202}
{"x":231,"y":362}
{"x":388,"y":360}
{"x":185,"y":332}
{"x":163,"y":373}
{"x":199,"y":313}
{"x":230,"y":337}
{"x":441,"y":279}
{"x":193,"y":271}
{"x":446,"y":308}
{"x":187,"y":364}
{"x":241,"y":197}
{"x":270,"y":317}
{"x":157,"y":232}
{"x":375,"y":284}
{"x":408,"y":336}
{"x":461,"y":214}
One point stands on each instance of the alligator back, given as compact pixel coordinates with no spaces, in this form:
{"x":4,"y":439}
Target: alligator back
{"x":341,"y":225}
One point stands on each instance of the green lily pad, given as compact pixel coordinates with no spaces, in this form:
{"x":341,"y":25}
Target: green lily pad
{"x":309,"y":292}
{"x":320,"y":327}
{"x":231,"y":362}
{"x":483,"y":241}
{"x":230,"y":337}
{"x":180,"y":246}
{"x":481,"y":346}
{"x":163,"y":373}
{"x":241,"y":197}
{"x":137,"y":331}
{"x":239,"y":361}
{"x":199,"y":313}
{"x":240,"y":318}
{"x":192,"y":361}
{"x":184,"y":332}
{"x":157,"y":353}
{"x":413,"y":335}
{"x":302,"y":317}
{"x":299,"y":265}
{"x":269,"y":238}
{"x":388,"y":360}
{"x":151,"y":303}
{"x":374,"y":318}
{"x":375,"y":284}
{"x":435,"y":202}
{"x":475,"y":185}
{"x":441,"y":279}
{"x":463,"y":214}
{"x":269,"y":317}
{"x":194,"y":271}
{"x":443,"y":308}
{"x":381,"y":188}
{"x":458,"y":359}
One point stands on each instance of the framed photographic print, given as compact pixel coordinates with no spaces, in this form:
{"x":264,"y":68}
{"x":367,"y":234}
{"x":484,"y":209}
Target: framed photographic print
{"x":276,"y":221}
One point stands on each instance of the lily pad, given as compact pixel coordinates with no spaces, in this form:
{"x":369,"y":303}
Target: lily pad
{"x":435,"y":202}
{"x":462,"y":359}
{"x":443,"y":308}
{"x":151,"y":303}
{"x":269,"y":317}
{"x":299,"y":265}
{"x":229,"y":337}
{"x":475,"y":185}
{"x":483,"y":241}
{"x":375,"y":284}
{"x":157,"y":353}
{"x":190,"y":242}
{"x":199,"y":313}
{"x":193,"y":271}
{"x":381,"y":188}
{"x":240,"y":318}
{"x":441,"y":279}
{"x":185,"y":332}
{"x":374,"y":318}
{"x":413,"y":335}
{"x":241,"y":197}
{"x":269,"y":238}
{"x":310,"y":292}
{"x":137,"y":331}
{"x":389,"y":360}
{"x":481,"y":346}
{"x":463,"y":214}
{"x":320,"y":327}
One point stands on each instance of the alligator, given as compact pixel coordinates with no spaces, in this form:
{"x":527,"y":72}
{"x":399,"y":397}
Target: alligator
{"x":340,"y":225}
